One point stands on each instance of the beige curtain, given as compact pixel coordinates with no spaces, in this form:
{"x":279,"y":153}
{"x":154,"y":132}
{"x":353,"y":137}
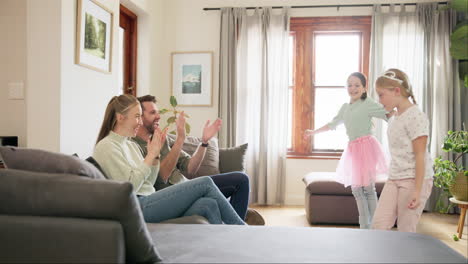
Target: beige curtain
{"x":262,"y":104}
{"x":253,"y":94}
{"x":232,"y":20}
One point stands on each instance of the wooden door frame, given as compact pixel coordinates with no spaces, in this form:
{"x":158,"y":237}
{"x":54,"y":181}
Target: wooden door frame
{"x":128,"y":21}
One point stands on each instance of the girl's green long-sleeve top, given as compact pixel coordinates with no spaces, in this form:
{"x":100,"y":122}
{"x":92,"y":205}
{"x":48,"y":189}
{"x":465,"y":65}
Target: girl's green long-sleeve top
{"x":357,"y":117}
{"x":121,"y":160}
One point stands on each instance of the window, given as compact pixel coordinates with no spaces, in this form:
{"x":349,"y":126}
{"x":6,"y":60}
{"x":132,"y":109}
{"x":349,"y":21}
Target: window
{"x":128,"y":51}
{"x":325,"y":50}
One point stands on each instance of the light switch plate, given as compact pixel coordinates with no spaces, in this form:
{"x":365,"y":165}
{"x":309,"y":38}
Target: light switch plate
{"x":16,"y":90}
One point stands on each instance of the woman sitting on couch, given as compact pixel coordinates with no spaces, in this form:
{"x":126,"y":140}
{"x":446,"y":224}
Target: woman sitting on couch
{"x":121,"y":159}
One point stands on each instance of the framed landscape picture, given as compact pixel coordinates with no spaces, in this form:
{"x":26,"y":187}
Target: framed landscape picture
{"x":192,"y":78}
{"x":94,"y":36}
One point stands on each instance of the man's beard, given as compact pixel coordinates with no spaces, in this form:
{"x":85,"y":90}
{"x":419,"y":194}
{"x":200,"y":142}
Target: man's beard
{"x":150,"y":129}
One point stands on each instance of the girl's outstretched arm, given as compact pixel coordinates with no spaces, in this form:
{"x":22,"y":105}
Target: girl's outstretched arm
{"x":310,"y":132}
{"x":338,"y":119}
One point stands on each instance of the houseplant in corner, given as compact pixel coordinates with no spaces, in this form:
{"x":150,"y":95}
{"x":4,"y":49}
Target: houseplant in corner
{"x":459,"y":38}
{"x":450,"y":175}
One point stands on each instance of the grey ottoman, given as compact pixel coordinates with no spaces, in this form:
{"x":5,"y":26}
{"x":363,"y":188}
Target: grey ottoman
{"x":329,"y":202}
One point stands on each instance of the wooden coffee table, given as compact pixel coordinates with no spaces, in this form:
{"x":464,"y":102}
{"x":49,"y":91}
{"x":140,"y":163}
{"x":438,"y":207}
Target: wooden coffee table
{"x":461,"y":221}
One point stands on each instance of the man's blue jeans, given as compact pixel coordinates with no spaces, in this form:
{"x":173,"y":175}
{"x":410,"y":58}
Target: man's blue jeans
{"x":199,"y":196}
{"x":366,"y":200}
{"x":234,"y":185}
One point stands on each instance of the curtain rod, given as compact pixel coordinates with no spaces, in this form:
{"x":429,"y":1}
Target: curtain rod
{"x":320,"y":6}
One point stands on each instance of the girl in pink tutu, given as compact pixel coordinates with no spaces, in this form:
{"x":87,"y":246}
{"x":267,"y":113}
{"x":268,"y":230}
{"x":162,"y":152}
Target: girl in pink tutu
{"x":363,"y":158}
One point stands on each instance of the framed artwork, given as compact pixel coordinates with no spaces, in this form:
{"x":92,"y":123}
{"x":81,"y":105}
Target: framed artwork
{"x":192,"y":78}
{"x":94,"y":36}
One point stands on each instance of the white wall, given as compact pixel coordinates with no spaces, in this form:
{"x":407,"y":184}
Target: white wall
{"x":296,"y":169}
{"x":188,"y":28}
{"x":43,"y":74}
{"x":84,"y":92}
{"x":12,"y":67}
{"x":64,"y":102}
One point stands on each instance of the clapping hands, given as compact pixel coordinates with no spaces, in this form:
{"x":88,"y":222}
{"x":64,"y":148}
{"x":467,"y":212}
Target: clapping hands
{"x":210,"y":130}
{"x":180,"y":124}
{"x":155,"y":144}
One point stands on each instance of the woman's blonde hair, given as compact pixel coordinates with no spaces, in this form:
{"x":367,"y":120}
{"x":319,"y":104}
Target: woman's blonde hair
{"x":396,"y":78}
{"x":118,"y":104}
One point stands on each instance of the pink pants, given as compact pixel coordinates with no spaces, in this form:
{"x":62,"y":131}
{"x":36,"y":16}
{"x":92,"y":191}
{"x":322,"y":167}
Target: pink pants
{"x":393,"y":204}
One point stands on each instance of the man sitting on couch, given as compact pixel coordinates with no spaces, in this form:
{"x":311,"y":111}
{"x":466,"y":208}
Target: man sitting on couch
{"x":174,"y":160}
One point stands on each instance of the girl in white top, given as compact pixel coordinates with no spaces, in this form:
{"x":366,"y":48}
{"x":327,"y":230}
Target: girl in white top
{"x":410,"y":179}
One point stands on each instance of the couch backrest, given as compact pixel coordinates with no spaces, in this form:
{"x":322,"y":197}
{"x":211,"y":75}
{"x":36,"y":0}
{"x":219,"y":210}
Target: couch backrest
{"x":47,"y":161}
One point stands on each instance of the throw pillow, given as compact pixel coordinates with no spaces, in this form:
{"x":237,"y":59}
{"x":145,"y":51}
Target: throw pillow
{"x":210,"y":163}
{"x":91,"y":160}
{"x":47,"y":161}
{"x":232,"y":159}
{"x":59,"y":195}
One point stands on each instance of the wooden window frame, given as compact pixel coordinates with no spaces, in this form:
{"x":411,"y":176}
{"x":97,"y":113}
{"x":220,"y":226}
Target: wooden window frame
{"x":129,"y":21}
{"x":304,"y":29}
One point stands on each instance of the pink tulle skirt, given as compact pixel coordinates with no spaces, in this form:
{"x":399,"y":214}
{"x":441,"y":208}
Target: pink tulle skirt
{"x":361,"y":162}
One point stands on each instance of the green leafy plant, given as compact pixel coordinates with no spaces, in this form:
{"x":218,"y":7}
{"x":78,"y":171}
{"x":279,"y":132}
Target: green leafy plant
{"x":174,"y":112}
{"x":447,"y":170}
{"x":459,"y":38}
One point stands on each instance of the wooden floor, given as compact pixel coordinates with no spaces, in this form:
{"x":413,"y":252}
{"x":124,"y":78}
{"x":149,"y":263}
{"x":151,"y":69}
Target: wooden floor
{"x":440,"y":226}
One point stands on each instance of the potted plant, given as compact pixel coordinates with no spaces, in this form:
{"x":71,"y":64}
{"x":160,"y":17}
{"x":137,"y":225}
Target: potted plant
{"x":173,"y":115}
{"x":459,"y":38}
{"x":450,"y":175}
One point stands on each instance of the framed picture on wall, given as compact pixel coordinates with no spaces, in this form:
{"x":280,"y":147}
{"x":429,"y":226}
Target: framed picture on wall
{"x":192,"y":78}
{"x":94,"y":36}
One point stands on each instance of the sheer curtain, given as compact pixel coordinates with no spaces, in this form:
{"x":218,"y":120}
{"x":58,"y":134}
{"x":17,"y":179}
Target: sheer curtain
{"x":417,"y":42}
{"x":262,"y":86}
{"x":396,"y":42}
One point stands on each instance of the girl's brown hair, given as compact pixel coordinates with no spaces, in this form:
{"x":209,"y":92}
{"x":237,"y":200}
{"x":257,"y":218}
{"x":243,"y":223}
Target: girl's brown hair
{"x":396,"y":78}
{"x":118,"y":104}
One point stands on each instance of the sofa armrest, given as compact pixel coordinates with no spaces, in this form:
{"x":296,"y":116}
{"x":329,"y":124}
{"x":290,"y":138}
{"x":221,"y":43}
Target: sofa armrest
{"x":69,"y":196}
{"x":31,"y":239}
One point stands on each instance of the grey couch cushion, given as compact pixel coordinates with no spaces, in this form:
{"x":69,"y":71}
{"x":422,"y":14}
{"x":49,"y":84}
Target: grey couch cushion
{"x":232,"y":159}
{"x":47,"y":161}
{"x":210,"y":163}
{"x":46,"y":194}
{"x":280,"y":244}
{"x":40,"y":239}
